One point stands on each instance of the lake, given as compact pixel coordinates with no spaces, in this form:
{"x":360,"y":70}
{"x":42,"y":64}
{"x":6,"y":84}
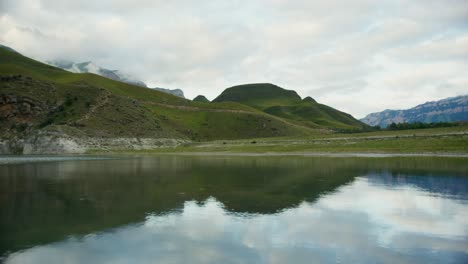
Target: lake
{"x":221,"y":209}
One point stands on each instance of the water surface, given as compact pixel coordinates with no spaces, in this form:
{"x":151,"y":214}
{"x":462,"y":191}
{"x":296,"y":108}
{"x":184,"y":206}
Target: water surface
{"x":175,"y":209}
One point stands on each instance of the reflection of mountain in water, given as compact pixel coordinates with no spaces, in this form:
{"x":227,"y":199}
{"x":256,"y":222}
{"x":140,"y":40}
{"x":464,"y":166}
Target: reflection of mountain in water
{"x":359,"y":222}
{"x":45,"y":202}
{"x":48,"y":201}
{"x":438,"y":184}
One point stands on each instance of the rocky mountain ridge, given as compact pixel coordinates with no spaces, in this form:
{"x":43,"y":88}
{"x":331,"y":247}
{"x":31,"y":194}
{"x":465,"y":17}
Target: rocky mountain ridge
{"x":91,"y":67}
{"x":450,"y":109}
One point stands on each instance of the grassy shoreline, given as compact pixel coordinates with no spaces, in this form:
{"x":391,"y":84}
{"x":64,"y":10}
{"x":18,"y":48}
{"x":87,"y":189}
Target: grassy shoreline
{"x":439,"y":141}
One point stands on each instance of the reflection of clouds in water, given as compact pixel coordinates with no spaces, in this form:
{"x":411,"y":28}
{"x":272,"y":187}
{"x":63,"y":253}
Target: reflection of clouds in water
{"x":404,"y":209}
{"x":360,"y":223}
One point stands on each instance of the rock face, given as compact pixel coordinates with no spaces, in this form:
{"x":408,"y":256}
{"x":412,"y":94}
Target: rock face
{"x":447,"y":110}
{"x":56,"y":143}
{"x":18,"y":113}
{"x":20,"y":109}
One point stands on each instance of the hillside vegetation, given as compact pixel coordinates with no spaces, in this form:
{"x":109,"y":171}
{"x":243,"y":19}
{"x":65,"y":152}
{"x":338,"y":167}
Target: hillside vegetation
{"x":435,"y":141}
{"x":287,"y":104}
{"x":39,"y":97}
{"x":201,"y":98}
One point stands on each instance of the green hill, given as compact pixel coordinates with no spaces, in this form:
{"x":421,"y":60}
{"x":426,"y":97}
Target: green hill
{"x":201,"y":98}
{"x":37,"y":99}
{"x":288,"y":104}
{"x":259,"y":95}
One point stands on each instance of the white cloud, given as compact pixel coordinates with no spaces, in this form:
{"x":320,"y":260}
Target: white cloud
{"x":349,"y":55}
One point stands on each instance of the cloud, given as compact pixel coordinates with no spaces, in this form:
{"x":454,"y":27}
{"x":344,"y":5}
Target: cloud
{"x":442,"y":49}
{"x":345,"y":54}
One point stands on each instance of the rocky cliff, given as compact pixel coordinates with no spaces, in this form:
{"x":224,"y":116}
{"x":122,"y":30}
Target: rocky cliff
{"x":60,"y":143}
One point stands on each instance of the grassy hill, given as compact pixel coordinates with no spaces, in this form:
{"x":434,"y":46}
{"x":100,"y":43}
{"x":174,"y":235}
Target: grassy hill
{"x":287,"y":104}
{"x":201,"y":98}
{"x":35,"y":96}
{"x":259,"y":95}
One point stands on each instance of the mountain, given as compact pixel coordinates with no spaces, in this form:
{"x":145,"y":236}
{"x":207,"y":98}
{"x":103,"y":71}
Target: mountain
{"x":287,"y":104}
{"x":446,"y":110}
{"x":90,"y":67}
{"x":201,"y":98}
{"x":176,"y":92}
{"x":45,"y":109}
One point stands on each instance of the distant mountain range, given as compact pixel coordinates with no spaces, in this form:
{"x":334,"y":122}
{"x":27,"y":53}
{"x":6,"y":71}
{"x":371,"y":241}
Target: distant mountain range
{"x":176,"y":92}
{"x":90,"y":67}
{"x":446,"y":110}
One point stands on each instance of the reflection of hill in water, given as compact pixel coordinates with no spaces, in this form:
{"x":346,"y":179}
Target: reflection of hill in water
{"x":44,"y":202}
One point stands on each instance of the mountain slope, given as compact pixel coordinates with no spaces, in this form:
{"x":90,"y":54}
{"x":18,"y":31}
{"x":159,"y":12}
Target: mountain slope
{"x":288,"y":104}
{"x":90,"y":67}
{"x":47,"y":109}
{"x":446,"y":110}
{"x":7,"y":48}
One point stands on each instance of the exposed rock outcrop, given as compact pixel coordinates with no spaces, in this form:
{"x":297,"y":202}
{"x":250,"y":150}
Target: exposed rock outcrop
{"x":20,"y":108}
{"x":55,"y":143}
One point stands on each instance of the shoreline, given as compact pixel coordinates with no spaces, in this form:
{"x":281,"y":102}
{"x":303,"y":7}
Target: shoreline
{"x":292,"y":154}
{"x":109,"y":155}
{"x":430,"y":142}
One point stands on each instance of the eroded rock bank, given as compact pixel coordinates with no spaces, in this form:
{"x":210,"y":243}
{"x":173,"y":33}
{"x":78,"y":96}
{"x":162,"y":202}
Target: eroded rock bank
{"x":62,"y":144}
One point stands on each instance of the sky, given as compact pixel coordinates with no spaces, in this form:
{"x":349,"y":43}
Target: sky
{"x":358,"y":56}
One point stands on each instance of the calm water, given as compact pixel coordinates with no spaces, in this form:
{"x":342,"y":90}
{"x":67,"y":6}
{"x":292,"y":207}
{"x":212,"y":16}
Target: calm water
{"x":234,"y":210}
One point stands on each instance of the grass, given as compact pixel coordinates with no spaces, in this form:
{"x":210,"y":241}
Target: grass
{"x":316,"y":115}
{"x":430,"y":141}
{"x":206,"y":125}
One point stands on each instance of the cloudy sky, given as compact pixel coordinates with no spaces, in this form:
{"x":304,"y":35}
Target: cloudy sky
{"x":358,"y":56}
